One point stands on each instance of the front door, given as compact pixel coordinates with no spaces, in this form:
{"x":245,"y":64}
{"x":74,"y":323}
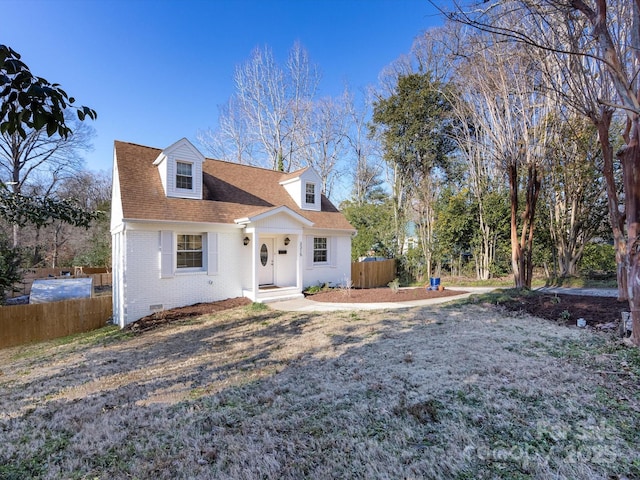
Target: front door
{"x":265,"y":262}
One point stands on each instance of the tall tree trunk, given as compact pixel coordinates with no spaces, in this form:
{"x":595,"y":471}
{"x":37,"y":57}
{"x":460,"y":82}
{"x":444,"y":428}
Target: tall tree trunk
{"x":516,"y":250}
{"x":603,"y":124}
{"x":630,"y":158}
{"x":522,"y":247}
{"x":528,"y":223}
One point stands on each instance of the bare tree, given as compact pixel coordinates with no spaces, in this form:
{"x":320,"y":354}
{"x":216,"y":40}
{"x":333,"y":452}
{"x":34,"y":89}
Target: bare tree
{"x":63,"y":242}
{"x":36,"y":163}
{"x":618,"y":51}
{"x":367,"y":162}
{"x":327,"y":140}
{"x":506,"y":108}
{"x":275,"y":104}
{"x":576,"y":194}
{"x":231,"y":141}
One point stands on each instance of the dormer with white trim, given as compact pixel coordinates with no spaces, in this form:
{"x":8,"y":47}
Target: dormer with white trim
{"x":180,"y":169}
{"x":305,"y":187}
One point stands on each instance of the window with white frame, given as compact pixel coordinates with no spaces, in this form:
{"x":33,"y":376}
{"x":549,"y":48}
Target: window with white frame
{"x":189,"y":251}
{"x":320,"y":252}
{"x":310,"y":193}
{"x":184,"y":175}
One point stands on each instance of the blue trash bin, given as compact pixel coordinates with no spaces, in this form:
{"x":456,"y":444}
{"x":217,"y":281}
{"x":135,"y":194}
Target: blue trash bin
{"x":434,"y":283}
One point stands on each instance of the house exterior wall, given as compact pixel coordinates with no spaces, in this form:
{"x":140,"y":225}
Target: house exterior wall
{"x":117,"y":266}
{"x":337,"y":270}
{"x":279,"y":223}
{"x":116,"y":199}
{"x":147,"y":292}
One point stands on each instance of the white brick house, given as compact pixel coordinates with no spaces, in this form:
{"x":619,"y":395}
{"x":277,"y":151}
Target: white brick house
{"x":187,"y":229}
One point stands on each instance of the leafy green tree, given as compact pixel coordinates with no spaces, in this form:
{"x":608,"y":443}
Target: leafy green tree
{"x":414,"y":124}
{"x":9,"y":267}
{"x":374,"y":223}
{"x":455,"y":226}
{"x":31,"y":102}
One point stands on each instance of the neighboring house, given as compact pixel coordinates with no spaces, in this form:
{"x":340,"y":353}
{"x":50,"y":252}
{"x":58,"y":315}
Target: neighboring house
{"x":187,"y":229}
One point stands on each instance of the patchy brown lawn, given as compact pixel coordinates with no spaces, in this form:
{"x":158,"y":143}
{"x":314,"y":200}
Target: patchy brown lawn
{"x":466,"y":391}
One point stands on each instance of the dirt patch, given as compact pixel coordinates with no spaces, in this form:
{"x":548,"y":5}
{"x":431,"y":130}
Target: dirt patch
{"x":166,"y":316}
{"x":378,"y":295}
{"x":566,"y":309}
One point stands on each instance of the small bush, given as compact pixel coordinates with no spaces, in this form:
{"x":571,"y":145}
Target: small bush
{"x":394,"y":285}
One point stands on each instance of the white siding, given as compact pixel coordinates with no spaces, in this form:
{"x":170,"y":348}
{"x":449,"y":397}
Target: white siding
{"x":146,"y":290}
{"x":295,"y":191}
{"x":296,"y":188}
{"x":279,"y":223}
{"x":184,"y":153}
{"x":116,"y":200}
{"x":117,"y":265}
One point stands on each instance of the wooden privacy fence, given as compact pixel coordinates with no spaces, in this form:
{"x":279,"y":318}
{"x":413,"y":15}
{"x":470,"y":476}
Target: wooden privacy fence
{"x":372,"y":274}
{"x":21,"y":324}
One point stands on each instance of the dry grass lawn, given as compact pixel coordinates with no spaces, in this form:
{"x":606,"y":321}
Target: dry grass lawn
{"x":464,"y":391}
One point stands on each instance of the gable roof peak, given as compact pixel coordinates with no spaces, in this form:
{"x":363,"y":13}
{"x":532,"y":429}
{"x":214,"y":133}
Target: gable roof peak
{"x":183,"y":142}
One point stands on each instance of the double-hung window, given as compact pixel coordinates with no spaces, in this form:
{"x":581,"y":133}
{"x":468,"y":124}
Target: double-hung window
{"x":310,"y":193}
{"x":320,"y":252}
{"x":184,"y":175}
{"x":189,"y":251}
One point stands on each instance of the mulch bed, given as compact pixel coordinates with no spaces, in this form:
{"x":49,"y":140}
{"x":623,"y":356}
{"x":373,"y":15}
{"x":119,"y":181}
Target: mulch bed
{"x":166,"y":316}
{"x":597,"y":311}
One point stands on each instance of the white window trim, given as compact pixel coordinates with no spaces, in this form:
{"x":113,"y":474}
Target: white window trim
{"x":182,"y":189}
{"x":203,"y":249}
{"x":327,"y":248}
{"x":315,"y":188}
{"x":169,"y":254}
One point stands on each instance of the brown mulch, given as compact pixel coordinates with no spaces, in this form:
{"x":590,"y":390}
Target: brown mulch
{"x":181,"y":313}
{"x":597,"y":311}
{"x":377,"y":295}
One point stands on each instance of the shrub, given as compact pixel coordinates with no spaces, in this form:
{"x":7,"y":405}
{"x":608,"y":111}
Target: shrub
{"x":598,"y":257}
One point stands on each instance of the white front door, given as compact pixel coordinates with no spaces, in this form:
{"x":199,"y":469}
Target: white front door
{"x":265,"y":261}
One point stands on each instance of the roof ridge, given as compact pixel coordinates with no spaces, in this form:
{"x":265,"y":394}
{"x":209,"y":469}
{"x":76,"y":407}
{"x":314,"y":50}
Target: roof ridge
{"x":229,"y":162}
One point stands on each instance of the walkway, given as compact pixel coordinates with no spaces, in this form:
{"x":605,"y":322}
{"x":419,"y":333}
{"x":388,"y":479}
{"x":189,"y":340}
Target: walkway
{"x":306,"y":305}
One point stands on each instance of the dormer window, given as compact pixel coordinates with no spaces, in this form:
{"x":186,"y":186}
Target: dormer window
{"x":184,"y":175}
{"x":304,"y":187}
{"x":310,"y":193}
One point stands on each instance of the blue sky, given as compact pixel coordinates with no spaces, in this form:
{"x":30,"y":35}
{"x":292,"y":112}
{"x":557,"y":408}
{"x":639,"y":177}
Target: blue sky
{"x":156,"y":70}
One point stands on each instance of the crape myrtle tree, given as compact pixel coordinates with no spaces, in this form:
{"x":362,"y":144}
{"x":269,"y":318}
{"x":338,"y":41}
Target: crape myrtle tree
{"x":507,"y":114}
{"x":575,"y":195}
{"x":606,"y":31}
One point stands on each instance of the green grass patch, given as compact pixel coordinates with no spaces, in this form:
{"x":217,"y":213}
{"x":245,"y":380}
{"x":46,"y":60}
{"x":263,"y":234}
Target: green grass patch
{"x":256,"y":307}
